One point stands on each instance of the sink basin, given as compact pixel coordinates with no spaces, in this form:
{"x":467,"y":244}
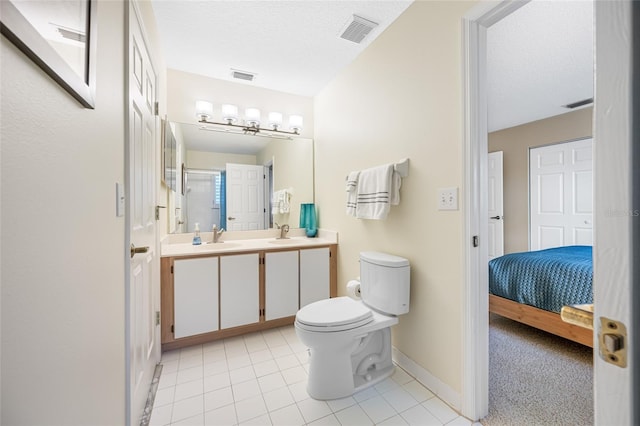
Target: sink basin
{"x":219,"y":246}
{"x":289,"y":241}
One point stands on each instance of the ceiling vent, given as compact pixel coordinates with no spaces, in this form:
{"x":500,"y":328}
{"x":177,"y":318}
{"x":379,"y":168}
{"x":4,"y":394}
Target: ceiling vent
{"x":579,"y":103}
{"x":242,"y":75}
{"x":358,"y":29}
{"x":70,"y":33}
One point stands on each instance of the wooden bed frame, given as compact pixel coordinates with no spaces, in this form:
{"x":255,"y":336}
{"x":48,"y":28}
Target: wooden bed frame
{"x":538,"y":318}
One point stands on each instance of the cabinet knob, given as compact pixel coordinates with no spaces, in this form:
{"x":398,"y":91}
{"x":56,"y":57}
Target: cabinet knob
{"x":231,"y":218}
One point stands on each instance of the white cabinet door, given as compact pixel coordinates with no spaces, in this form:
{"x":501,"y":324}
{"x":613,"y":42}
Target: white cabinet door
{"x":239,"y":290}
{"x":314,"y":275}
{"x":281,"y":284}
{"x":195,"y":296}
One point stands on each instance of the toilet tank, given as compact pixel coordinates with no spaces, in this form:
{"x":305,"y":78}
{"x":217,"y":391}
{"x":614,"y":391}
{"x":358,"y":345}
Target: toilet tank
{"x":384,"y":282}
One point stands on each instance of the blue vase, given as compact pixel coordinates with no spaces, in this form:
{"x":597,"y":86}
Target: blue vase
{"x":308,"y":219}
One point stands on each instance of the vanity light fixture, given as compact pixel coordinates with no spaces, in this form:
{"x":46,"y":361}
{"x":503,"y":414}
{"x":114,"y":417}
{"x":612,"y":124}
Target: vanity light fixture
{"x":204,"y":112}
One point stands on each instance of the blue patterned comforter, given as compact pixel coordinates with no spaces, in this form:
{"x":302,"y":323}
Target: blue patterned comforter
{"x":547,"y":279}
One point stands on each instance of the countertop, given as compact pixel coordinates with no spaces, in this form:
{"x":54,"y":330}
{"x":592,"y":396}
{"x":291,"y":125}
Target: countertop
{"x":245,"y":241}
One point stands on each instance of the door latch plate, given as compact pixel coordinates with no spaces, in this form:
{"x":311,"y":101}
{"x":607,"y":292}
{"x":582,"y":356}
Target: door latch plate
{"x":613,"y":342}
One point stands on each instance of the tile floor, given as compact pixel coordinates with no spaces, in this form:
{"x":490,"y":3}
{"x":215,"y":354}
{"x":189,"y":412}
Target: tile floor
{"x":260,"y":379}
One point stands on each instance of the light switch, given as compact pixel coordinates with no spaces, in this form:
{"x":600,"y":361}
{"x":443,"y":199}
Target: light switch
{"x":448,"y":199}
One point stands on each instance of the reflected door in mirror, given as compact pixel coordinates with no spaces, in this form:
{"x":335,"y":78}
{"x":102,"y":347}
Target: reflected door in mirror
{"x":245,"y":197}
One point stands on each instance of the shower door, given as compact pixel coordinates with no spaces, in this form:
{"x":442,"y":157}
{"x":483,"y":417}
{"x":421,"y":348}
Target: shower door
{"x":202,"y":199}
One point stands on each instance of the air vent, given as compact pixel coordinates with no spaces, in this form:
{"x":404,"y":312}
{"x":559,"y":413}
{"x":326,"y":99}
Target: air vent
{"x":70,"y":33}
{"x":358,"y":29}
{"x":242,"y":75}
{"x":579,"y":103}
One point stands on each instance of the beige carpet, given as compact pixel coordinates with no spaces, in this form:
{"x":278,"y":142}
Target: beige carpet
{"x":536,"y":378}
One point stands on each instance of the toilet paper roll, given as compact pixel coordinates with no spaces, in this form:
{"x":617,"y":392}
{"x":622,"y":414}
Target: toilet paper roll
{"x":353,"y":289}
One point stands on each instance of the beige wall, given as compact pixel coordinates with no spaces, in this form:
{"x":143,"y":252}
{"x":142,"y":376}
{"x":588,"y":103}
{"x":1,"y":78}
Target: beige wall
{"x":63,"y":356}
{"x":515,"y":143}
{"x":402,"y":97}
{"x":292,"y":168}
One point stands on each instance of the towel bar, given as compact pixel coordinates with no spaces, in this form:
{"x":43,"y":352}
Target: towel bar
{"x":402,"y":167}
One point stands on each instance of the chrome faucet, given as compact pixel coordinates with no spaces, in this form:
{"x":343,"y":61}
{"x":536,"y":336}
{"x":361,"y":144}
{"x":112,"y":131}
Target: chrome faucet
{"x":216,"y":234}
{"x":283,"y":232}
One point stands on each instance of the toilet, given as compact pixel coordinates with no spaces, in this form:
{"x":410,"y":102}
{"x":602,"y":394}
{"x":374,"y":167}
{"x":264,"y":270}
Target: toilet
{"x":350,"y":340}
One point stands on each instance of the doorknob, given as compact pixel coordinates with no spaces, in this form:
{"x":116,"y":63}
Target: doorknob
{"x":231,"y":218}
{"x":135,"y":250}
{"x":496,"y":217}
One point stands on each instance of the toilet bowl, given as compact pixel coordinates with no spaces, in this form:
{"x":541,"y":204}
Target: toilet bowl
{"x":350,"y":340}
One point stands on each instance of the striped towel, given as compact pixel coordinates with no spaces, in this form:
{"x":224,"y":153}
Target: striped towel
{"x":352,"y":191}
{"x":375,"y":192}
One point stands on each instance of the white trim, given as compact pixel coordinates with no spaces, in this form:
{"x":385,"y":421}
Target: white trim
{"x":435,"y":385}
{"x":475,"y":335}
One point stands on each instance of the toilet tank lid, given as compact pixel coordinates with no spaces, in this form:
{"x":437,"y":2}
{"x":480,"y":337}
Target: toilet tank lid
{"x":383,"y":259}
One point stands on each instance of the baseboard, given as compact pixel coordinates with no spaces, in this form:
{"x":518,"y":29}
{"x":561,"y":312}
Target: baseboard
{"x":439,"y":388}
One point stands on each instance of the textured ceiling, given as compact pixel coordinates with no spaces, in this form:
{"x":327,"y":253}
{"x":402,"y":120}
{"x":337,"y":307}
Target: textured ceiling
{"x":539,"y":58}
{"x":292,"y":46}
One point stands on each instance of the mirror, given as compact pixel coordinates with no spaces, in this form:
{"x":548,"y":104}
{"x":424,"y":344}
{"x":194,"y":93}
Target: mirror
{"x":209,"y":159}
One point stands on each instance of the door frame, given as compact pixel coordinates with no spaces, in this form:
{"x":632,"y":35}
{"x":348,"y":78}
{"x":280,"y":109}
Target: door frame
{"x":613,"y":387}
{"x":475,"y":303}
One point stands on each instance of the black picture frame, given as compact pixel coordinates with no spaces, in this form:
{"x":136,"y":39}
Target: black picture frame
{"x":17,"y":29}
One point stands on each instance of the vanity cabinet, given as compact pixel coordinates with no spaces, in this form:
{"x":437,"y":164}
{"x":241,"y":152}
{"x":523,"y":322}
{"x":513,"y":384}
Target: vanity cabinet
{"x":315,"y":275}
{"x":195,"y":296}
{"x":239,"y":290}
{"x":215,"y":296}
{"x":281,"y":284}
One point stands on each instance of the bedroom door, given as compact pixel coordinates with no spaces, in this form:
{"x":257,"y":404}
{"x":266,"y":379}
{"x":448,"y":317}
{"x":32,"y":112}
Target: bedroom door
{"x":496,"y":211}
{"x":561,"y":195}
{"x":617,"y":240}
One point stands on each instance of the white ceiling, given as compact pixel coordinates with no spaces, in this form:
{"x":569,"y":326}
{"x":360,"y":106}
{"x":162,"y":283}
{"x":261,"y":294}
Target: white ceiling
{"x":539,"y":58}
{"x":292,"y":46}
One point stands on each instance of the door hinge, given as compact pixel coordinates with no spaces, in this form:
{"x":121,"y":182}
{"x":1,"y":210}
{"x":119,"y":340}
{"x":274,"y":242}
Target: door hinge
{"x":612,"y":336}
{"x":156,"y":108}
{"x":158,"y":211}
{"x":157,"y":317}
{"x":172,"y":328}
{"x":474,"y":241}
{"x":172,"y":269}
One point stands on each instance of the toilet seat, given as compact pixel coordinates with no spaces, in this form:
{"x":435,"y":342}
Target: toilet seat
{"x":332,"y":315}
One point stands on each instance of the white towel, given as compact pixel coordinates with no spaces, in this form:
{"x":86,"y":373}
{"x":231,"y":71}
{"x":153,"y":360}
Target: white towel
{"x":352,"y":192}
{"x":374,"y":192}
{"x":280,"y":204}
{"x":396,"y":182}
{"x":285,"y":207}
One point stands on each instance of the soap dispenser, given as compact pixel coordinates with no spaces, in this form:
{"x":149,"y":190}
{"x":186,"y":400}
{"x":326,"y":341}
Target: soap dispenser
{"x":196,"y":237}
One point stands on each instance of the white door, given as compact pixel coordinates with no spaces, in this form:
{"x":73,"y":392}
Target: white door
{"x":315,"y":280}
{"x":561,"y":194}
{"x":245,"y":197}
{"x":143,"y":283}
{"x":195,"y":296}
{"x":239,"y":290}
{"x":281,"y":284}
{"x":616,"y":213}
{"x":496,"y":210}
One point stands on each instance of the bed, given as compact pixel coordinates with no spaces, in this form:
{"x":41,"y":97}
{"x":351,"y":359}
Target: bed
{"x":532,"y":287}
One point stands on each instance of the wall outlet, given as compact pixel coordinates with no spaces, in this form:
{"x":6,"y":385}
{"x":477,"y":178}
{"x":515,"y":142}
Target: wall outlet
{"x":448,"y":199}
